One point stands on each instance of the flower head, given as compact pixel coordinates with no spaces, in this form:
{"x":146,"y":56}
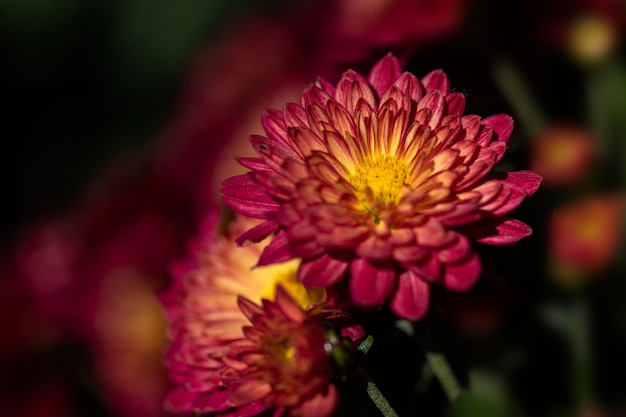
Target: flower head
{"x":217,"y":361}
{"x":585,"y":236}
{"x":563,"y":154}
{"x":382,"y":175}
{"x":282,"y":362}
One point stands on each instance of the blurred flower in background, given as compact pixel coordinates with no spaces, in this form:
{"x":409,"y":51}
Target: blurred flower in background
{"x":563,"y":154}
{"x":585,"y":235}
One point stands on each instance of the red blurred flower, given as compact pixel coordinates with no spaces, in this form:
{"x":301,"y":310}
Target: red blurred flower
{"x":360,"y":26}
{"x":563,"y":154}
{"x":584,"y":236}
{"x":384,"y":176}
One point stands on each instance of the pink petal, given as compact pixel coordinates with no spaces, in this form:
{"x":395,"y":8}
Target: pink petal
{"x":369,"y":285}
{"x":277,"y":251}
{"x":249,"y":391}
{"x":253,"y":164}
{"x":288,"y":306}
{"x":326,"y":86}
{"x":436,"y":80}
{"x":374,"y":248}
{"x":322,"y":405}
{"x":248,"y":308}
{"x":352,"y":87}
{"x":384,"y":73}
{"x":410,"y":254}
{"x":436,"y":104}
{"x":498,"y":231}
{"x":212,"y":402}
{"x":274,"y":125}
{"x":411,"y":298}
{"x":252,"y":409}
{"x":321,"y":272}
{"x":429,"y":270}
{"x":461,"y":277}
{"x":245,"y":197}
{"x":295,"y":116}
{"x":314,"y":96}
{"x":409,"y":85}
{"x":457,"y":251}
{"x":306,"y":141}
{"x":502,"y":125}
{"x":529,"y":181}
{"x":257,"y":233}
{"x":341,"y":237}
{"x":456,"y":104}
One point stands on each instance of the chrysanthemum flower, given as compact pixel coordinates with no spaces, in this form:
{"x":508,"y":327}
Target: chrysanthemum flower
{"x":207,"y":361}
{"x":584,"y":236}
{"x":563,"y":154}
{"x":383,"y":177}
{"x":282,"y":363}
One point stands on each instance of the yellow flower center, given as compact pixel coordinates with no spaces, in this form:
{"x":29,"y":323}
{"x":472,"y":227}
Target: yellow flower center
{"x":284,"y":274}
{"x":378,"y":181}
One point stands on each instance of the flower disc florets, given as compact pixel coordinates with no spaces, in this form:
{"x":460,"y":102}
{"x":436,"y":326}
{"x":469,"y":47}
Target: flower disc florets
{"x":385,"y":178}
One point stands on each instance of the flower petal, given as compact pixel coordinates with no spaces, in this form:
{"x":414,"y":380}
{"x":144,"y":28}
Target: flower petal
{"x":245,"y":197}
{"x":502,"y":125}
{"x":461,"y":277}
{"x":250,"y":390}
{"x":321,"y":272}
{"x":412,"y":296}
{"x":498,"y":231}
{"x":370,"y":285}
{"x":384,"y":73}
{"x":257,"y":233}
{"x":277,"y":251}
{"x":322,"y":405}
{"x":436,"y":80}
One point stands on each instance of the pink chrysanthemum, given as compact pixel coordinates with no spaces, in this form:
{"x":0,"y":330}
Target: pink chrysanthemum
{"x":383,"y":177}
{"x":208,"y":324}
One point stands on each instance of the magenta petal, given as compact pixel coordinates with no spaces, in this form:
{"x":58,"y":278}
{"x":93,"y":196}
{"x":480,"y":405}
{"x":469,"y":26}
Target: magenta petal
{"x":410,"y":85}
{"x":435,"y":102}
{"x":250,"y":390}
{"x":277,"y":251}
{"x":326,"y":86}
{"x":252,"y":409}
{"x":257,"y":233}
{"x":248,"y":308}
{"x":461,"y":277}
{"x":274,"y":125}
{"x":456,"y":104}
{"x":498,"y":231}
{"x":436,"y":80}
{"x":384,"y":73}
{"x":412,"y":296}
{"x":244,"y":197}
{"x":253,"y":164}
{"x":212,"y":402}
{"x":369,"y":285}
{"x":501,"y":124}
{"x":529,"y":181}
{"x":321,"y":272}
{"x":322,"y":405}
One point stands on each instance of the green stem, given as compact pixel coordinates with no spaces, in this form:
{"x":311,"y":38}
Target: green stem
{"x":374,"y":393}
{"x":579,"y":334}
{"x":444,"y":374}
{"x":512,"y":85}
